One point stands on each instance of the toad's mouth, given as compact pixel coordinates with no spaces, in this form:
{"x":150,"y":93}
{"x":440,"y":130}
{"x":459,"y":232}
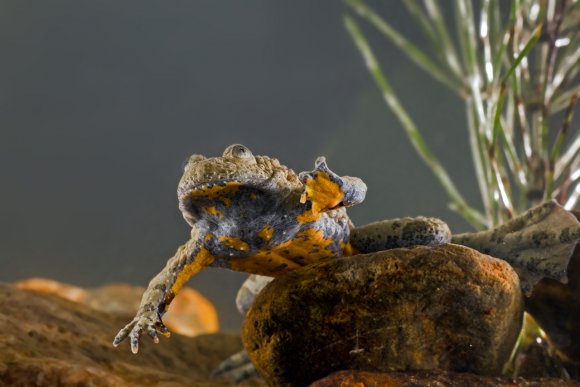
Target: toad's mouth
{"x":224,"y":188}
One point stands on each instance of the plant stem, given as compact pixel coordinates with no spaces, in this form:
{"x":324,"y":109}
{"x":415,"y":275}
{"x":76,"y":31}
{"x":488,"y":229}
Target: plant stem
{"x":457,"y":201}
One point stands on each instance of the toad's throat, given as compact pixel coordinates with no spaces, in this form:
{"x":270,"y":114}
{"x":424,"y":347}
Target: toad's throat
{"x":232,"y":203}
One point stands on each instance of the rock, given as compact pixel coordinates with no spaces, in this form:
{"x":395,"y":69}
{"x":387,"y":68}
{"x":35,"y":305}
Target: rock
{"x":190,"y":313}
{"x":556,"y":307}
{"x":534,"y":354}
{"x":48,"y":341}
{"x":431,"y":379}
{"x":445,"y":307}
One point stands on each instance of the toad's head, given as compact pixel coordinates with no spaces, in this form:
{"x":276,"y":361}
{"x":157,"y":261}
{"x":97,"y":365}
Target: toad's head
{"x":235,"y":184}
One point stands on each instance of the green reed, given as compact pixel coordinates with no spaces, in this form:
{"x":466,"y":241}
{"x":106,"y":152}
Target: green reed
{"x":517,"y":75}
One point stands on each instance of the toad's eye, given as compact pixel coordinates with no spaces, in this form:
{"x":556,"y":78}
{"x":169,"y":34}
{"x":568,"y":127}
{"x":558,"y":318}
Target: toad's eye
{"x":238,"y":151}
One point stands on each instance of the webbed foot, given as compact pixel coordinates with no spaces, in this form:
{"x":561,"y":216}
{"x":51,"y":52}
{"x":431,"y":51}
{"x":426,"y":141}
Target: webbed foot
{"x":236,"y":368}
{"x":538,"y":243}
{"x":326,"y":190}
{"x":149,"y":322}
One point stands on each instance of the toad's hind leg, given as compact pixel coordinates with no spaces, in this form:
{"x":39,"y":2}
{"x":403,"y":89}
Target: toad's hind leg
{"x":538,"y":243}
{"x":251,"y":287}
{"x":403,"y":232}
{"x":238,"y":366}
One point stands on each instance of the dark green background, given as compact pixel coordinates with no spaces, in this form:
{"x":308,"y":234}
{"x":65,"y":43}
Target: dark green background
{"x":101,"y":101}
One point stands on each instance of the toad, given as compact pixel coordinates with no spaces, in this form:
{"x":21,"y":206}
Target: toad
{"x":252,"y":214}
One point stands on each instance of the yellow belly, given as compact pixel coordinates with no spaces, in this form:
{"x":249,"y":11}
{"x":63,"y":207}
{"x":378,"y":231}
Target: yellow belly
{"x":306,"y":247}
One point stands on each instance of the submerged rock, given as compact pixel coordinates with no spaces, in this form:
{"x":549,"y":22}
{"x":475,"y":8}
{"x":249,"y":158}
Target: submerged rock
{"x":48,"y":341}
{"x":190,"y":313}
{"x":431,"y":379}
{"x":445,"y":307}
{"x":556,"y":307}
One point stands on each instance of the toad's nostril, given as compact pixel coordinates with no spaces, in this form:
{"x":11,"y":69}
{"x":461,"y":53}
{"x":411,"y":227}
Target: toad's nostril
{"x":190,"y":160}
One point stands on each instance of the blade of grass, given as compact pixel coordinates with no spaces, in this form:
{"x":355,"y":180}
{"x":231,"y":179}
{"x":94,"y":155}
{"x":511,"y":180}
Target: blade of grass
{"x":497,"y":118}
{"x":524,"y":128}
{"x":539,"y":123}
{"x":514,"y":73}
{"x":423,"y":21}
{"x":497,"y":127}
{"x":478,"y":161}
{"x":513,"y":161}
{"x":569,"y":156}
{"x":498,"y":55}
{"x":507,"y":124}
{"x":554,"y":24}
{"x":484,"y":32}
{"x":572,"y":22}
{"x":524,"y":52}
{"x":504,"y":189}
{"x":506,"y":131}
{"x":467,"y":35}
{"x":501,"y":181}
{"x":569,"y":66}
{"x":573,"y":199}
{"x":470,"y":214}
{"x":412,"y":51}
{"x":496,"y":31}
{"x":557,"y":147}
{"x":503,"y":44}
{"x":434,"y":11}
{"x":562,"y":100}
{"x":564,"y":128}
{"x":480,"y":129}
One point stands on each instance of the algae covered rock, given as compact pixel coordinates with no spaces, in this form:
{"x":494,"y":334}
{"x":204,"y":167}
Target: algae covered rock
{"x":445,"y":307}
{"x":190,"y":313}
{"x":430,"y":378}
{"x":556,"y":307}
{"x":48,"y":341}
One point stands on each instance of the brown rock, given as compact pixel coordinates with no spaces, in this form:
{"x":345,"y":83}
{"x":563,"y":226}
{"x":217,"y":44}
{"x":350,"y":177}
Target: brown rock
{"x":445,"y":307}
{"x":556,"y":307}
{"x":534,"y":354}
{"x":190,"y":313}
{"x":45,"y":285}
{"x":430,"y":379}
{"x":48,"y":341}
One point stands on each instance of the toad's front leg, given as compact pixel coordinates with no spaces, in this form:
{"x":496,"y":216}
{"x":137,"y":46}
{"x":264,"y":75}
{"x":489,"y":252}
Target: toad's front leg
{"x":327,"y":191}
{"x":187,"y":261}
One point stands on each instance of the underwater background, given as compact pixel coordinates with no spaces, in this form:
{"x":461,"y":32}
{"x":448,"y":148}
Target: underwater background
{"x":101,"y":102}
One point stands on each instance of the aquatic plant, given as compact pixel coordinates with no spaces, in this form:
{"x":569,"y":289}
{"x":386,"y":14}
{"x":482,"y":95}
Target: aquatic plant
{"x":516,"y":69}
